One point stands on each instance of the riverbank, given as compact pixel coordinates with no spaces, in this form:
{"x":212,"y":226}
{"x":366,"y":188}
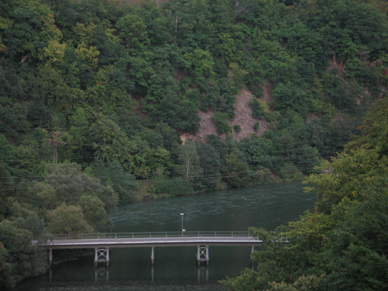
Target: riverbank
{"x":146,"y":191}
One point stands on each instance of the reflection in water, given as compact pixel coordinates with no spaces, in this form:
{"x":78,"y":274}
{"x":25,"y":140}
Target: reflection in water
{"x":101,"y":274}
{"x":176,"y":268}
{"x":102,"y":282}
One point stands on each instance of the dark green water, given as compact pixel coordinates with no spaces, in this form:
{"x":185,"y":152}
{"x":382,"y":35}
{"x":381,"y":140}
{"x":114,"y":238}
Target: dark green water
{"x":175,"y":268}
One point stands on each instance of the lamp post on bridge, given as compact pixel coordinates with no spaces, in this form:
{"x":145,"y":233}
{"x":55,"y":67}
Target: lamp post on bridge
{"x":182,"y":215}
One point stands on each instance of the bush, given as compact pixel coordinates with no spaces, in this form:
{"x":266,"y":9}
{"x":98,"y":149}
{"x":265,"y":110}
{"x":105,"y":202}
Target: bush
{"x":222,"y":125}
{"x":237,"y":128}
{"x":256,"y":126}
{"x":290,"y":172}
{"x":174,"y":187}
{"x":258,"y":108}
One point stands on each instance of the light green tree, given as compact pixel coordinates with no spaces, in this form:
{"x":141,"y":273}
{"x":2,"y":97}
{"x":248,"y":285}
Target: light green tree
{"x":189,"y":165}
{"x":67,"y":219}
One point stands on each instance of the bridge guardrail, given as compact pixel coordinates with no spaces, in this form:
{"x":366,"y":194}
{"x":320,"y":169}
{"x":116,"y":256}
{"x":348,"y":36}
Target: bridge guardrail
{"x":165,"y":234}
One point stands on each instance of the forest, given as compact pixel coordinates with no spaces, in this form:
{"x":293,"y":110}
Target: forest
{"x":103,"y":102}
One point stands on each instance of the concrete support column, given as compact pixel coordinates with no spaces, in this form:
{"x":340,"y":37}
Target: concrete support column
{"x":50,"y":256}
{"x":95,"y":257}
{"x":152,"y":255}
{"x":252,"y":250}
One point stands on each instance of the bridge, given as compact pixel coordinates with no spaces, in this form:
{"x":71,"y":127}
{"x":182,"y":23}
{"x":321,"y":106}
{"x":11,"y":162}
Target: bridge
{"x":103,"y":242}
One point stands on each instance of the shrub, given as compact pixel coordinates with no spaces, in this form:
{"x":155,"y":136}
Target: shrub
{"x":222,"y":125}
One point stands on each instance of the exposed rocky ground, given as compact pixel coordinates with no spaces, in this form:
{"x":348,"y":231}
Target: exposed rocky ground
{"x":243,"y":118}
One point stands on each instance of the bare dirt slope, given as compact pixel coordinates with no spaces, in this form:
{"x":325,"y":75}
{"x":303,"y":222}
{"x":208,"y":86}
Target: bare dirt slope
{"x":243,"y":118}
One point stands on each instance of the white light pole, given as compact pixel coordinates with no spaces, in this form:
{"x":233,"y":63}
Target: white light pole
{"x":182,"y":214}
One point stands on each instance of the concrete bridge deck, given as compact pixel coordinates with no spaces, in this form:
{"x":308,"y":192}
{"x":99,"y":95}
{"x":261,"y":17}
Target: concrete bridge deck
{"x":148,"y":239}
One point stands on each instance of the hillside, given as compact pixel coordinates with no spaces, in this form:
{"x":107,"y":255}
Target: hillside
{"x":105,"y":102}
{"x":242,"y":117}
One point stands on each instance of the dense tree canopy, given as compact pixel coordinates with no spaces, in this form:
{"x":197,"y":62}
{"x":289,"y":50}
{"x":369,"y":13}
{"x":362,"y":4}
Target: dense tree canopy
{"x":342,"y":245}
{"x":95,"y":96}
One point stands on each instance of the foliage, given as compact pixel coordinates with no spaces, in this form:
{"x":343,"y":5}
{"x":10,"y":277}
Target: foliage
{"x":374,"y":129}
{"x":69,"y":185}
{"x":235,"y":172}
{"x":174,"y":187}
{"x":67,"y":219}
{"x":220,"y":120}
{"x":200,"y":64}
{"x":210,"y":163}
{"x":112,"y":173}
{"x":188,"y":161}
{"x":257,"y":153}
{"x":258,"y":108}
{"x":19,"y":259}
{"x":341,"y":244}
{"x":117,"y":85}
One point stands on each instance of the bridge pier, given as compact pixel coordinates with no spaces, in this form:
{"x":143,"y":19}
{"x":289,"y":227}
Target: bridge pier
{"x":152,"y":255}
{"x":50,"y":256}
{"x":101,"y":255}
{"x":203,"y":254}
{"x":251,"y":257}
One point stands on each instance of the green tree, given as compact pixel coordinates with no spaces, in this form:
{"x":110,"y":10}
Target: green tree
{"x":94,"y":212}
{"x":113,"y":173}
{"x":22,"y":38}
{"x":200,"y":64}
{"x":67,"y":219}
{"x":19,"y":258}
{"x":49,"y":90}
{"x":210,"y":163}
{"x":345,"y":176}
{"x":178,"y":112}
{"x":235,"y":172}
{"x":288,"y":96}
{"x":132,"y":30}
{"x":257,"y":153}
{"x":189,"y":165}
{"x":374,"y":129}
{"x":220,"y":120}
{"x":70,"y":184}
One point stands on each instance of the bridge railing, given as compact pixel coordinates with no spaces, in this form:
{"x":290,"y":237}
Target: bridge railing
{"x":149,"y":235}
